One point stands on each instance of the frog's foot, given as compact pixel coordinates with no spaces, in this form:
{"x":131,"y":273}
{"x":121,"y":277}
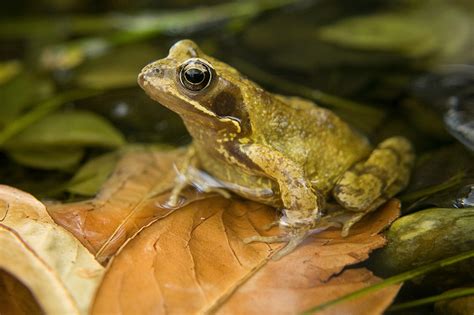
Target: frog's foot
{"x":206,"y":183}
{"x":368,"y":184}
{"x":181,"y":183}
{"x":294,"y":239}
{"x":294,"y":235}
{"x":192,"y":176}
{"x":349,"y":223}
{"x":271,"y":225}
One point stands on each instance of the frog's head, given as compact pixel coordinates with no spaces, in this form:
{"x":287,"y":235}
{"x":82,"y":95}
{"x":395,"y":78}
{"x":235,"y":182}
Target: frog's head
{"x":201,"y":89}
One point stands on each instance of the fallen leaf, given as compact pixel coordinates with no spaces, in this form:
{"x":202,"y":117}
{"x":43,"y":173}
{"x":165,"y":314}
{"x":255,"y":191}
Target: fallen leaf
{"x":51,"y":263}
{"x":15,"y":298}
{"x":194,"y":261}
{"x":134,"y":196}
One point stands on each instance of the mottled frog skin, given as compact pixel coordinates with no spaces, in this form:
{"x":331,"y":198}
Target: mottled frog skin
{"x":282,"y":151}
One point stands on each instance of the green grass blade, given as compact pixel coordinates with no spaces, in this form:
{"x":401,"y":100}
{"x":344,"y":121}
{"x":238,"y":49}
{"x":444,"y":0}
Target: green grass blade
{"x":393,"y":280}
{"x":440,"y":297}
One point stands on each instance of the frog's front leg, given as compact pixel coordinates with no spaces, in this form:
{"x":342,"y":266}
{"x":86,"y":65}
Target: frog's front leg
{"x":188,"y":174}
{"x":370,"y":183}
{"x":302,"y":204}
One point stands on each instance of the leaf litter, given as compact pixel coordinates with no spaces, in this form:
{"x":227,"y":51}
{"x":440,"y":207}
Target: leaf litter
{"x":192,"y":259}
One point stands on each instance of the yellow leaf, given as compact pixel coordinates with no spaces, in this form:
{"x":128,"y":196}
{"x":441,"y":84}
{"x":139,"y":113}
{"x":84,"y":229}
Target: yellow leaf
{"x":44,"y":256}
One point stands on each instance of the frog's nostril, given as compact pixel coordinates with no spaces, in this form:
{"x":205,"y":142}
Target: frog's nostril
{"x":153,"y":72}
{"x":148,"y":74}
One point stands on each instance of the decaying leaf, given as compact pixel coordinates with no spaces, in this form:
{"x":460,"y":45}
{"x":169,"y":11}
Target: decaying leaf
{"x":134,"y":195}
{"x":194,"y":261}
{"x":45,"y":257}
{"x":15,"y":298}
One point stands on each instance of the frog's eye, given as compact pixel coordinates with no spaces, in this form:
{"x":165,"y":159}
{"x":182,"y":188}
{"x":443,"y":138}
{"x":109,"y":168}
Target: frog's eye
{"x":195,"y":75}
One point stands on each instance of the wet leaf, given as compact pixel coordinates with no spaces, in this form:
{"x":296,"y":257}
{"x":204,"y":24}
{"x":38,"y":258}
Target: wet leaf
{"x":442,"y":178}
{"x":428,"y":235}
{"x":90,"y":177}
{"x":194,"y":261}
{"x":70,"y":128}
{"x":134,"y":195}
{"x":43,"y":256}
{"x":449,"y":91}
{"x":411,"y":30}
{"x":48,"y":158}
{"x":118,"y":68}
{"x":20,"y":92}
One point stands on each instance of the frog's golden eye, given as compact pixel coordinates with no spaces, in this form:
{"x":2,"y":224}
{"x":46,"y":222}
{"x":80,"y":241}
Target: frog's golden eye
{"x":195,"y":75}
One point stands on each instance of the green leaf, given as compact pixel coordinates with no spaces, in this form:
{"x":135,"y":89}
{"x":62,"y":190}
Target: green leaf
{"x":48,"y":158}
{"x":148,"y":25}
{"x":92,"y":175}
{"x":417,"y":29}
{"x":20,"y":92}
{"x":118,"y":68}
{"x":9,"y":70}
{"x":71,"y":128}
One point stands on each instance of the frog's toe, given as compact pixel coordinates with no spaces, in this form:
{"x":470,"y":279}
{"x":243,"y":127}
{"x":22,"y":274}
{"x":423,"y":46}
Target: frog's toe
{"x":294,"y":241}
{"x":294,"y":238}
{"x":271,"y":225}
{"x":349,"y":223}
{"x":267,"y":239}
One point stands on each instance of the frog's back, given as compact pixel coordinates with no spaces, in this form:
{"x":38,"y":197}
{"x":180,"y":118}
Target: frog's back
{"x":313,"y":137}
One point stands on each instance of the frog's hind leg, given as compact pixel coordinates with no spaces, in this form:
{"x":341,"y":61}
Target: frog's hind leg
{"x":370,"y":183}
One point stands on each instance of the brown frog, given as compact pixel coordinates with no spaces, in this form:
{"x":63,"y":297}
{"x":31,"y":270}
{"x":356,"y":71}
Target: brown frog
{"x":282,"y":151}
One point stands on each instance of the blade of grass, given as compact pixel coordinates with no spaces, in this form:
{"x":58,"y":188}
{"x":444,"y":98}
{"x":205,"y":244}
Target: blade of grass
{"x":440,"y":297}
{"x":393,"y":280}
{"x":417,"y":194}
{"x":41,"y":110}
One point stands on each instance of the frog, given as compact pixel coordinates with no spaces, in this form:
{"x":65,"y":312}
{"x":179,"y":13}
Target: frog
{"x":282,"y":151}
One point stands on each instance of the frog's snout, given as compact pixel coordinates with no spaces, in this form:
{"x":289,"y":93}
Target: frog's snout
{"x":147,"y":74}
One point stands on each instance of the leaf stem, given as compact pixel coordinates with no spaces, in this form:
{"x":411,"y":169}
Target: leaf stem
{"x":393,"y":280}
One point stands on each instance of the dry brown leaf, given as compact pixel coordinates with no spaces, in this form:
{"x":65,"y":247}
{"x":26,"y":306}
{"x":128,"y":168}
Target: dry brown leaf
{"x":51,"y":263}
{"x":15,"y":298}
{"x":194,"y":261}
{"x":133,"y":197}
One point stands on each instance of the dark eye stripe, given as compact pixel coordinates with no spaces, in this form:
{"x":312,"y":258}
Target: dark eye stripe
{"x":195,"y":75}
